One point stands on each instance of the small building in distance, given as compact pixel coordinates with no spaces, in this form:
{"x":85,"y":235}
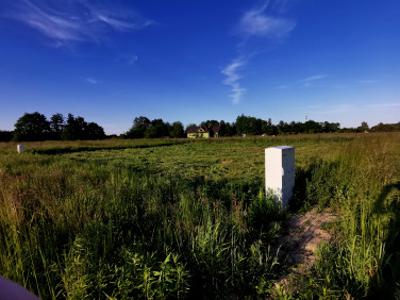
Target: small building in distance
{"x":197,"y":132}
{"x":202,"y":132}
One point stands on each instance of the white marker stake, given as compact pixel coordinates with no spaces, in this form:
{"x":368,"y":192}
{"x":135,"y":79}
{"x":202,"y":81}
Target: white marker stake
{"x":280,"y":172}
{"x":20,"y":148}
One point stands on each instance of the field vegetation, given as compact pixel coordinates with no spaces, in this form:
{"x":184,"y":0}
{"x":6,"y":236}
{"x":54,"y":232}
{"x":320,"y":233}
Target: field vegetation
{"x":172,"y":218}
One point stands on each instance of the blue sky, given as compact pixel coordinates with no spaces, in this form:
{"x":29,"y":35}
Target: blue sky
{"x":110,"y":61}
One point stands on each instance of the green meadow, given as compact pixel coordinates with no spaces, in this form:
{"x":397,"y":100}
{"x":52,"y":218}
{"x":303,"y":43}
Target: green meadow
{"x":178,"y":218}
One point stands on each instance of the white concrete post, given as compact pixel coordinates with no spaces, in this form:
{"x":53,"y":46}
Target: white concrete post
{"x":280,"y":172}
{"x":20,"y":148}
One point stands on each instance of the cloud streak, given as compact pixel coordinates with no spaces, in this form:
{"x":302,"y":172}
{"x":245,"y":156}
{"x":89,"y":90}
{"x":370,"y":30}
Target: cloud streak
{"x":91,"y":80}
{"x":309,"y":80}
{"x":231,"y":73}
{"x":74,"y":21}
{"x":262,"y":22}
{"x":256,"y":22}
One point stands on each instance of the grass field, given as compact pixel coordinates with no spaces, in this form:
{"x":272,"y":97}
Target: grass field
{"x":157,"y":219}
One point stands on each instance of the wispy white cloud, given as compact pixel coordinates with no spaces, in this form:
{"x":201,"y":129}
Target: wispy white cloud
{"x":232,"y":78}
{"x":122,"y":25}
{"x":91,"y":80}
{"x":304,"y":82}
{"x":313,"y":78}
{"x":309,"y":80}
{"x":264,"y":22}
{"x":74,"y":21}
{"x":259,"y":22}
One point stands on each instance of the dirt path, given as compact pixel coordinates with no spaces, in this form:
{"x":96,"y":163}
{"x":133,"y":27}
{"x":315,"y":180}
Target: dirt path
{"x":305,"y":233}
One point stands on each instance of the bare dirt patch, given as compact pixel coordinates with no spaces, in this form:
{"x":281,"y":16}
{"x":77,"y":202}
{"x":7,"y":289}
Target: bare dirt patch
{"x":305,"y":232}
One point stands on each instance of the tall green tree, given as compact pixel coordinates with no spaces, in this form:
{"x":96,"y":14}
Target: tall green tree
{"x":57,"y":123}
{"x":139,"y":127}
{"x":330,"y":127}
{"x":156,"y":129}
{"x":312,"y":127}
{"x":248,"y":125}
{"x":76,"y":128}
{"x":56,"y":126}
{"x":386,"y":127}
{"x":31,"y":127}
{"x":363,"y":127}
{"x":209,"y":124}
{"x":93,"y":131}
{"x":176,"y":130}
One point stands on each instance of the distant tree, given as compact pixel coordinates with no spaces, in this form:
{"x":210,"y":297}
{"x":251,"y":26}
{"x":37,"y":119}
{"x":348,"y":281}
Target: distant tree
{"x":57,"y":123}
{"x":330,"y":127}
{"x":31,"y":127}
{"x":267,"y":127}
{"x":223,"y":128}
{"x":386,"y":127}
{"x":156,"y":129}
{"x":94,"y":131}
{"x":231,"y":128}
{"x":364,"y":127}
{"x":242,"y":126}
{"x":312,"y":127}
{"x":140,"y":125}
{"x":56,"y":126}
{"x":248,"y":125}
{"x":176,"y":130}
{"x":74,"y":128}
{"x":141,"y":122}
{"x":274,"y":130}
{"x":6,"y":136}
{"x":151,"y":132}
{"x":209,"y":124}
{"x":283,"y":127}
{"x":226,"y":129}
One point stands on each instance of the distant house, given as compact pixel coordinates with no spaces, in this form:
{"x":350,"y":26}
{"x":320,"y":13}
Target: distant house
{"x":197,"y":132}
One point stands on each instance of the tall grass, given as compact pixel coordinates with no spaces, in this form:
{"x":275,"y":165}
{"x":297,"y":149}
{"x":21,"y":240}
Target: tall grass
{"x":93,"y":231}
{"x":363,"y":187}
{"x":191,"y":220}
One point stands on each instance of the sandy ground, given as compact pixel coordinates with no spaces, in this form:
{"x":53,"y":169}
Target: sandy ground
{"x":305,"y":233}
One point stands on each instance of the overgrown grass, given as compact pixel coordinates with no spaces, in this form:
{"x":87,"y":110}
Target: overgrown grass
{"x":191,"y":220}
{"x":96,"y":232}
{"x":363,"y":186}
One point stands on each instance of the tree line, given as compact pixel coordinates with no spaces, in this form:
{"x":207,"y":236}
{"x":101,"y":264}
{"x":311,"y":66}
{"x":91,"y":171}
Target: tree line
{"x":36,"y":127}
{"x":143,"y":127}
